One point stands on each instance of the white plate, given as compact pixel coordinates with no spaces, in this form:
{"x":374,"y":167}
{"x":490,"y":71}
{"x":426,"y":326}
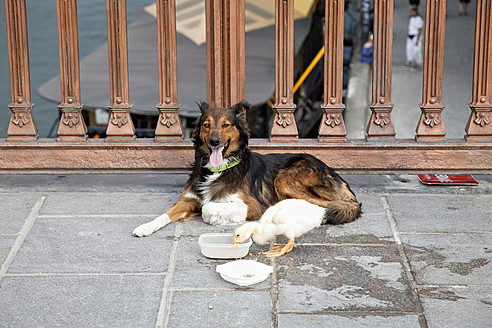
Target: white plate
{"x":244,"y":272}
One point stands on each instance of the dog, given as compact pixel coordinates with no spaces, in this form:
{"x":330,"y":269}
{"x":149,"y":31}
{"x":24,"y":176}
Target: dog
{"x":231,"y":184}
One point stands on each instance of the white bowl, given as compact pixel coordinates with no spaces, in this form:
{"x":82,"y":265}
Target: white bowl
{"x":220,"y":246}
{"x":244,"y":272}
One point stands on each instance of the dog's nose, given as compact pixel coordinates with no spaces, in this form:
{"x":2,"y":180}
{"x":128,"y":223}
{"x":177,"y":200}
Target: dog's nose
{"x":214,"y":141}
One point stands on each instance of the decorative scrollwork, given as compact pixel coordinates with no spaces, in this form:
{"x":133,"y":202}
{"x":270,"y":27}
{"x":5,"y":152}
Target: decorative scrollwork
{"x":168,"y":119}
{"x":481,"y":119}
{"x":432,"y":119}
{"x":71,"y":119}
{"x":382,"y":119}
{"x":119,"y":119}
{"x":20,"y":119}
{"x":332,"y":119}
{"x":284,"y":119}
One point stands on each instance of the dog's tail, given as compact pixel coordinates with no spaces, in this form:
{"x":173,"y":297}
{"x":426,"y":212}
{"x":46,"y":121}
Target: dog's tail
{"x":341,"y":211}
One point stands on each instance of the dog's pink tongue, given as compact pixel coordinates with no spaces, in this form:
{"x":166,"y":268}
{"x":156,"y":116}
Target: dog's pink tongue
{"x":216,"y":156}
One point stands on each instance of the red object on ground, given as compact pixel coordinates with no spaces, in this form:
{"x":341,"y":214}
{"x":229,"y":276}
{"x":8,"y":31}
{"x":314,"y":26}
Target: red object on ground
{"x":447,"y":179}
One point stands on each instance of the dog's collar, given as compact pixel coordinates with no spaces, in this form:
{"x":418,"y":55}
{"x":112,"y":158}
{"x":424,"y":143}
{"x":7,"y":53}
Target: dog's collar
{"x":225,"y":167}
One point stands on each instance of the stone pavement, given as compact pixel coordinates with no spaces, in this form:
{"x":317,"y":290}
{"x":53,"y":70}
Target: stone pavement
{"x":419,"y":257}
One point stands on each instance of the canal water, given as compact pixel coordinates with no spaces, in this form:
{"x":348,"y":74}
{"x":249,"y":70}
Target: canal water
{"x":43,"y":49}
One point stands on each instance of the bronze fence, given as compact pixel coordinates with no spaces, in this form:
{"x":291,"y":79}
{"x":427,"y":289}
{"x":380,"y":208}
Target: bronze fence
{"x":73,"y":151}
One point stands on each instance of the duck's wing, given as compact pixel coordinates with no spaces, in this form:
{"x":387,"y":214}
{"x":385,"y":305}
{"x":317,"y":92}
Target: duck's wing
{"x":279,"y":219}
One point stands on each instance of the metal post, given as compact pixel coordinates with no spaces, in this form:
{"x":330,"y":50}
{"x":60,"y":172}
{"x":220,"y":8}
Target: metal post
{"x":225,"y":52}
{"x":431,"y":126}
{"x":72,"y":126}
{"x":380,"y":126}
{"x":332,"y":128}
{"x":284,"y":127}
{"x":120,"y":126}
{"x":168,"y":125}
{"x":479,"y":127}
{"x":22,"y":126}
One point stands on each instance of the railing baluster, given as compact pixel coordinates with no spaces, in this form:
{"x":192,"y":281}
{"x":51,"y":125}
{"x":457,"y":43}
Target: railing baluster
{"x":380,"y":126}
{"x":479,"y":127}
{"x":431,"y":126}
{"x":332,"y":128}
{"x":120,"y":125}
{"x":225,"y":51}
{"x":22,"y":126}
{"x":284,"y":127}
{"x":72,"y":126}
{"x":168,"y":125}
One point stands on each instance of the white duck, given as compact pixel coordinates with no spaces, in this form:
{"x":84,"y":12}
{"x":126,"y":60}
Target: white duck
{"x":290,"y":218}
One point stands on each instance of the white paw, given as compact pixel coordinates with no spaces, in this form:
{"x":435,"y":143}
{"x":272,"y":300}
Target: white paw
{"x":215,"y":219}
{"x":223,"y":213}
{"x":144,"y":230}
{"x":149,"y":228}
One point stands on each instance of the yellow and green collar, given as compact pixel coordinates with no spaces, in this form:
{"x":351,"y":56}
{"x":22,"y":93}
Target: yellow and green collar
{"x":225,"y":167}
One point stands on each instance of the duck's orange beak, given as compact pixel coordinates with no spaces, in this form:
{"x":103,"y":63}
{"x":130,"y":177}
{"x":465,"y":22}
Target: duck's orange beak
{"x":235,"y":242}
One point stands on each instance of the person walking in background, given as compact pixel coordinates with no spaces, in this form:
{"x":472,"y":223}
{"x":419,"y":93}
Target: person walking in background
{"x":367,"y":50}
{"x":414,"y":40}
{"x":463,"y":7}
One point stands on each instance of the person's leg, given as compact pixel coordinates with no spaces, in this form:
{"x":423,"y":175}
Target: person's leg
{"x":409,"y":52}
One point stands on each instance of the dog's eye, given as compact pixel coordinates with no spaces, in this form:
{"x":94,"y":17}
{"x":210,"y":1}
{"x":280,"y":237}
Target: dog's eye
{"x":226,"y":125}
{"x":206,"y":125}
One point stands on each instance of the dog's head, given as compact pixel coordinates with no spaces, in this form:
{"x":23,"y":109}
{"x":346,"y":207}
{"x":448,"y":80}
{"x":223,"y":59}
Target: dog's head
{"x":221,"y":132}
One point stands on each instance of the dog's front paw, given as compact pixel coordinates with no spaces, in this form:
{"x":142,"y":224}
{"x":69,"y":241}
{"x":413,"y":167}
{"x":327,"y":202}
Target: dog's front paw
{"x":222,"y":213}
{"x":211,"y":215}
{"x":144,"y":230}
{"x":215,"y":220}
{"x":149,"y":228}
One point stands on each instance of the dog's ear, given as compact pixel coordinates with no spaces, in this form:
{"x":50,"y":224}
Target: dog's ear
{"x":203,"y":106}
{"x":239,"y":110}
{"x":195,"y":135}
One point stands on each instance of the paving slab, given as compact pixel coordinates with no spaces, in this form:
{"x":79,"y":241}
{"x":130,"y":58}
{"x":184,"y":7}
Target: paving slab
{"x":371,"y":203}
{"x":367,"y":183}
{"x":80,"y":301}
{"x":317,"y":279}
{"x":450,"y":258}
{"x":442,"y":213}
{"x":368,"y":229}
{"x":403,"y":183}
{"x":6,"y":243}
{"x":15,"y":209}
{"x":108,"y":203}
{"x":74,"y":245}
{"x":457,"y":307}
{"x":220,"y":309}
{"x":355,"y":321}
{"x":114,"y":182}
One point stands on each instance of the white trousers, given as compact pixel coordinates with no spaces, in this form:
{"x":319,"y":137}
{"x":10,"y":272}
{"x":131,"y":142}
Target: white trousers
{"x":414,"y":52}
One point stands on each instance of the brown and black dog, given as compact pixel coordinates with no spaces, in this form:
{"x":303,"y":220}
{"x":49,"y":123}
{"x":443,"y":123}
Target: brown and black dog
{"x":231,"y":184}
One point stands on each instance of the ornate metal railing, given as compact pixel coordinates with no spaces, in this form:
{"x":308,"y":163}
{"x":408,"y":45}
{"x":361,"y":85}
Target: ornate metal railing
{"x":72,"y":150}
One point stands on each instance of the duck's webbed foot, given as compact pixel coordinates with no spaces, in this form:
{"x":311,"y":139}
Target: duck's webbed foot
{"x":280,"y":250}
